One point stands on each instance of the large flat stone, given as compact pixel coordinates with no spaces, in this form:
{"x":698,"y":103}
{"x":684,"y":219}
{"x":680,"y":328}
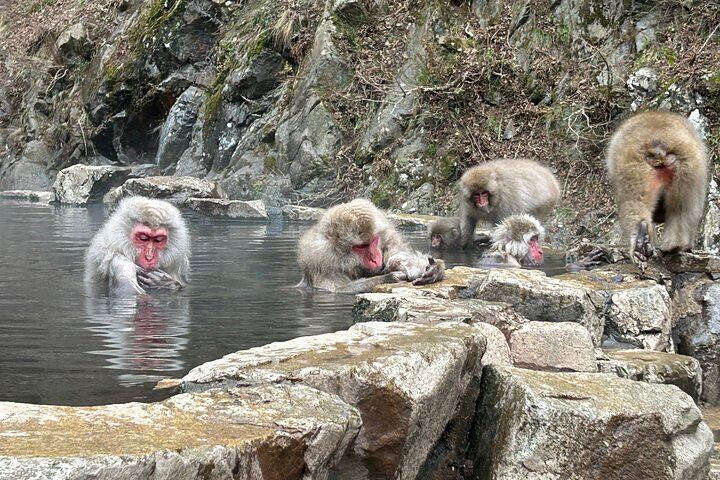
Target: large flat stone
{"x":555,"y":426}
{"x":408,"y":380}
{"x":655,"y":367}
{"x":265,"y":432}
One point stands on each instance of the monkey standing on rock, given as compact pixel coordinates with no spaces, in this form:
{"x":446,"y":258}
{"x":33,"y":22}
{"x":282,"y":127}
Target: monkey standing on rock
{"x":657,"y":164}
{"x":354,"y":247}
{"x":497,"y":189}
{"x":144,"y":244}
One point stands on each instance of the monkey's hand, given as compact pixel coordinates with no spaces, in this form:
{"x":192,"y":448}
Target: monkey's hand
{"x":434,"y":272}
{"x":158,"y":279}
{"x":642,"y":249}
{"x":592,"y":259}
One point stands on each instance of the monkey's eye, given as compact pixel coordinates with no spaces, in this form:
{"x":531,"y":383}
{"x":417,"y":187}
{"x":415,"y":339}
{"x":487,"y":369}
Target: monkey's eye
{"x":142,"y":237}
{"x":534,"y":238}
{"x":160,"y":239}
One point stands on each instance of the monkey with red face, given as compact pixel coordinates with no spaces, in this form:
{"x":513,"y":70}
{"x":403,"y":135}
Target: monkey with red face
{"x":516,"y":242}
{"x":355,"y":247}
{"x":144,"y":244}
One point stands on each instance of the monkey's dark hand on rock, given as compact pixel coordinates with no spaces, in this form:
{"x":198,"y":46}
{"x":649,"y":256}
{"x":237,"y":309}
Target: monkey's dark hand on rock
{"x":157,"y":279}
{"x":592,"y":259}
{"x":643,"y":250}
{"x":434,"y":272}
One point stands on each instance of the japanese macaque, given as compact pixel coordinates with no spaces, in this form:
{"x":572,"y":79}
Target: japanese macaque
{"x":445,"y":233}
{"x":497,"y":189}
{"x":657,"y":164}
{"x":516,"y":242}
{"x":354,"y":247}
{"x":143,"y":244}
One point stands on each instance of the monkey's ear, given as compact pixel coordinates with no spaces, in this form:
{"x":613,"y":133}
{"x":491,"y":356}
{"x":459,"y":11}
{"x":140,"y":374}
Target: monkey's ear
{"x":431,"y":260}
{"x":455,"y":232}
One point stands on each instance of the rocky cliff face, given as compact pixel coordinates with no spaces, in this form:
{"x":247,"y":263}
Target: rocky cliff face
{"x":317,"y":101}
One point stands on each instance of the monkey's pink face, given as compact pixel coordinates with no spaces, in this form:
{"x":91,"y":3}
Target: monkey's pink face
{"x":481,"y":198}
{"x":436,"y":240}
{"x":370,"y":255}
{"x":149,"y":244}
{"x":536,"y":252}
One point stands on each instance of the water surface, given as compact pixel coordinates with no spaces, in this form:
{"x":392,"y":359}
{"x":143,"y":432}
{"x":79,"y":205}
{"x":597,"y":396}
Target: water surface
{"x":60,"y":345}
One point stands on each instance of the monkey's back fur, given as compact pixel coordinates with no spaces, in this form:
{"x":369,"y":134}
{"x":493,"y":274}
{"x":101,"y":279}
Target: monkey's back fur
{"x":327,"y":245}
{"x":643,"y":191}
{"x":514,"y":185}
{"x":112,"y":242}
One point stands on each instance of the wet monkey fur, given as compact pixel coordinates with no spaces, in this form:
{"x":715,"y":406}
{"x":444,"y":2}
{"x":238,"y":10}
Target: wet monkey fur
{"x":491,"y":191}
{"x":657,"y":164}
{"x":516,"y":242}
{"x":354,"y":247}
{"x":143,"y":244}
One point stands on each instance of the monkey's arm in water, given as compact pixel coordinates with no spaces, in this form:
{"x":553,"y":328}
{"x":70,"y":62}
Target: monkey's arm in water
{"x":360,"y":285}
{"x":122,"y":276}
{"x":158,"y":279}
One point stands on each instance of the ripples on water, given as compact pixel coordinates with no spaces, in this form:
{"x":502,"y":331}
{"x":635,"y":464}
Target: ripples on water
{"x":63,"y":346}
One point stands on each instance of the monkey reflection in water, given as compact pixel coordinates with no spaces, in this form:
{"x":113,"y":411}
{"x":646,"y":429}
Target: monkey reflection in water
{"x":144,"y":244}
{"x":355,"y":247}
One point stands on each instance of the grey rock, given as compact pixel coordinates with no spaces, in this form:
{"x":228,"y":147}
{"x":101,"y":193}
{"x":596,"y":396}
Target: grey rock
{"x":655,"y":367}
{"x":302,"y":213}
{"x":542,"y":425}
{"x":697,"y":330}
{"x":248,"y":210}
{"x":252,"y":82}
{"x":176,"y":132}
{"x":407,"y":380}
{"x":562,"y":346}
{"x":28,"y":196}
{"x":173,"y":189}
{"x":81,"y":184}
{"x":74,"y":43}
{"x":236,"y":433}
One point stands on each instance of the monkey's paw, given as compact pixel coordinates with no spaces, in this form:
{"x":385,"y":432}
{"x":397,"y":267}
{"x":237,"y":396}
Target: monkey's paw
{"x":158,"y":279}
{"x":643,"y":250}
{"x":434,"y":272}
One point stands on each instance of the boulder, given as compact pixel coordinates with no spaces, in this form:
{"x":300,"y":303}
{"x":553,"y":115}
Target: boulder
{"x":407,"y":380}
{"x":175,"y":190}
{"x":302,"y":213}
{"x":28,"y":196}
{"x":176,"y":132}
{"x":561,"y":346}
{"x":560,"y":425}
{"x":237,"y":433}
{"x":82,"y":184}
{"x":697,"y":329}
{"x":538,"y":297}
{"x":655,"y":367}
{"x":218,"y":207}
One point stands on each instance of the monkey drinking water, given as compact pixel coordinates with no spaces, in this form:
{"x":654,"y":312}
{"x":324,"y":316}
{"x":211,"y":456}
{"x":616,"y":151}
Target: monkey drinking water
{"x":143,"y":244}
{"x":516,"y":242}
{"x":354,"y":247}
{"x":657,"y":164}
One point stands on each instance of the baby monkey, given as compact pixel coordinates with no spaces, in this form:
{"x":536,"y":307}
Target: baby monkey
{"x":516,"y":242}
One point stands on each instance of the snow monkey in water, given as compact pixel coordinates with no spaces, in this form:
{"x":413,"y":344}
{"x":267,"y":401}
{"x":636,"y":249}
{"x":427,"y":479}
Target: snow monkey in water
{"x":657,"y":164}
{"x":445,"y":233}
{"x":143,"y":244}
{"x":355,"y":247}
{"x":497,"y":189}
{"x":516,"y":242}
